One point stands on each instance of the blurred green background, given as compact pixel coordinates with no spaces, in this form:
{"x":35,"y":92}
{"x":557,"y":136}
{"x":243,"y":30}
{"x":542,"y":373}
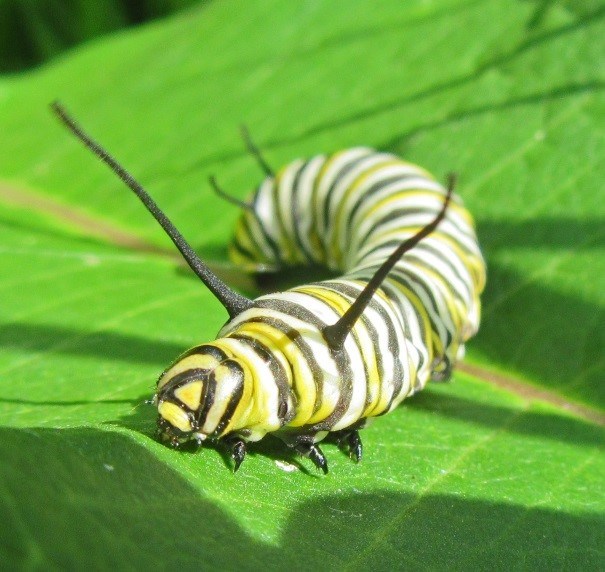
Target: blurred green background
{"x":32,"y":31}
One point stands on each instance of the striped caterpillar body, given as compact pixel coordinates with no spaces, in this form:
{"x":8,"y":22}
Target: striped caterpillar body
{"x":325,"y":357}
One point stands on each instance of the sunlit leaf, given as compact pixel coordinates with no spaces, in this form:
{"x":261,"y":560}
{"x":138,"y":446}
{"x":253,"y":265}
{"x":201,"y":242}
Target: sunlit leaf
{"x":502,"y":468}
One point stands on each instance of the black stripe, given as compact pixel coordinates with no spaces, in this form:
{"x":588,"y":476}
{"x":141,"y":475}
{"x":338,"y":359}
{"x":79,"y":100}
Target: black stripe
{"x":422,"y":264}
{"x":394,"y":296}
{"x":305,"y":350}
{"x":268,"y":239}
{"x":234,"y":369}
{"x":278,"y":373}
{"x":282,"y":192}
{"x":208,"y":393}
{"x":392,"y":215}
{"x":349,"y":293}
{"x":426,"y":264}
{"x":179,"y":380}
{"x":390,"y":245}
{"x":237,"y":245}
{"x":204,"y":349}
{"x":297,"y":215}
{"x":417,"y":284}
{"x":407,"y":335}
{"x":258,"y":252}
{"x":183,"y":378}
{"x":364,"y":198}
{"x":418,"y":262}
{"x":275,"y":250}
{"x":399,"y":375}
{"x":340,"y":358}
{"x":392,"y":340}
{"x":447,"y":261}
{"x":194,"y":350}
{"x":344,"y":170}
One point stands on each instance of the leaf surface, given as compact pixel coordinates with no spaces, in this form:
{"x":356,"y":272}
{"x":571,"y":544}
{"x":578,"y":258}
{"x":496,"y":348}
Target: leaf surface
{"x":503,"y":467}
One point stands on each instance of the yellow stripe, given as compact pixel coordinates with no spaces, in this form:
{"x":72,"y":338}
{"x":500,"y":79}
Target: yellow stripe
{"x":278,"y":343}
{"x":412,"y":193}
{"x":194,"y":361}
{"x":353,"y":188}
{"x":190,"y":394}
{"x":287,"y":248}
{"x":242,"y":235}
{"x":380,"y":400}
{"x":241,"y":413}
{"x":174,"y":415}
{"x":363,"y":338}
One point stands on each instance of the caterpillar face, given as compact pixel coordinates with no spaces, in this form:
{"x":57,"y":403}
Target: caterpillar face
{"x":198,"y":395}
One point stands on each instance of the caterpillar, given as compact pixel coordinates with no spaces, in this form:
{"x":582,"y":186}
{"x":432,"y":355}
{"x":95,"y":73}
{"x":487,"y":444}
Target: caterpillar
{"x":324,"y":358}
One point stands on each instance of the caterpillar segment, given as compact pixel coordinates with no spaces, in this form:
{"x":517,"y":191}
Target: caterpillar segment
{"x":324,"y":358}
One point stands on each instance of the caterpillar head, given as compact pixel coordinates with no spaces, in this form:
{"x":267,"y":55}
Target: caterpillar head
{"x":197,"y":396}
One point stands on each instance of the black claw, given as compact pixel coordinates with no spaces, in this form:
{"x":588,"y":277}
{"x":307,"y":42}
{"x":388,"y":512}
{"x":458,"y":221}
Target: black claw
{"x":314,"y":453}
{"x":238,"y":452}
{"x":319,"y":459}
{"x":355,"y":446}
{"x":349,"y":440}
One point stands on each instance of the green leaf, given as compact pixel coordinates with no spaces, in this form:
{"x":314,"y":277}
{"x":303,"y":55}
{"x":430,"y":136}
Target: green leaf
{"x":502,"y":468}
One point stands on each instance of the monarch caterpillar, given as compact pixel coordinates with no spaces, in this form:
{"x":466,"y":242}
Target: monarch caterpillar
{"x":324,"y":357}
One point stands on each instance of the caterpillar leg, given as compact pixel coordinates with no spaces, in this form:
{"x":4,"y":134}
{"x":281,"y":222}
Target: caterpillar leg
{"x":306,"y":446}
{"x":314,"y":453}
{"x":350,"y":440}
{"x":443,"y":371}
{"x":237,"y":446}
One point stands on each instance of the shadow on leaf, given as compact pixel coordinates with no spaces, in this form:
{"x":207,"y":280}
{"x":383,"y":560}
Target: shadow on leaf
{"x":106,"y":345}
{"x":533,"y":423}
{"x":111,"y":503}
